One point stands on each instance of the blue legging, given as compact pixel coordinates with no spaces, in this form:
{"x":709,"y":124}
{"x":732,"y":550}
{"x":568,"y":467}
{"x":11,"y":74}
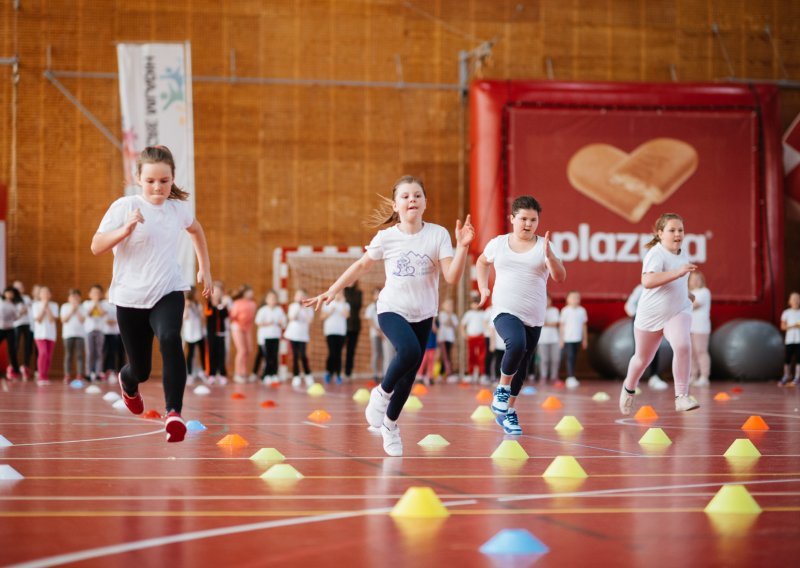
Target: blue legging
{"x":409,"y":340}
{"x":520,"y":341}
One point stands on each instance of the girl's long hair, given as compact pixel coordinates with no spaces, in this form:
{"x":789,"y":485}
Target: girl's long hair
{"x":384,"y":214}
{"x":659,"y":226}
{"x":161,"y":155}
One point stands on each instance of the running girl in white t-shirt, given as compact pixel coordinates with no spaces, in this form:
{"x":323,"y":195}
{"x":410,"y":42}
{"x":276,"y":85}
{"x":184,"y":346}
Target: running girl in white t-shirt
{"x":147,"y":285}
{"x":413,"y":253}
{"x":790,"y":323}
{"x":665,"y":309}
{"x":522,"y":262}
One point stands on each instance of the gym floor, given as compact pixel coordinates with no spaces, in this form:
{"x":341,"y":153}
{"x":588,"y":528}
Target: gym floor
{"x":101,"y":487}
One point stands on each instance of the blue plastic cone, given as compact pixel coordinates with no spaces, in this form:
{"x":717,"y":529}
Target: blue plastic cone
{"x":76,"y":384}
{"x":514,"y":541}
{"x":528,"y":390}
{"x":195,"y":426}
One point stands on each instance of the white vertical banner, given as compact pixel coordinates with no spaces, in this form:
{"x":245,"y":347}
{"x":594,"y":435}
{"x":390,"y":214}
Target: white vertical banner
{"x":155,"y":89}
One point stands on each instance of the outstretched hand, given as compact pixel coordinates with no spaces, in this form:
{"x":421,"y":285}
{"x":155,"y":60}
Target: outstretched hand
{"x":204,"y":278}
{"x":465,"y":233}
{"x":317,"y":301}
{"x":485,"y":293}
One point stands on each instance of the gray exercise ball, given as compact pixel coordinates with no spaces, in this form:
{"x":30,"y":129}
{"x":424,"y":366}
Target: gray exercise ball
{"x":614,"y":348}
{"x":747,"y":350}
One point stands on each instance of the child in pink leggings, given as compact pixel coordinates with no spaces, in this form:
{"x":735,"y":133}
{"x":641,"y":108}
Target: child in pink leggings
{"x":45,"y":316}
{"x":665,"y":309}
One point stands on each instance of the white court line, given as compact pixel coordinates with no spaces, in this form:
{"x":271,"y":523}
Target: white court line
{"x":636,"y":490}
{"x":795,"y":416}
{"x":160,"y":431}
{"x":634,"y":422}
{"x":198,"y":535}
{"x":314,"y":424}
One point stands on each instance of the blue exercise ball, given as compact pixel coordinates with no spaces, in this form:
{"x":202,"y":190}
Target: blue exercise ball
{"x":747,"y":350}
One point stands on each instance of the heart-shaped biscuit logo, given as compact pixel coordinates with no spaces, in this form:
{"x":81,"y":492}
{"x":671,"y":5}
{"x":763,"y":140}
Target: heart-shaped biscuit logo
{"x":628,"y":184}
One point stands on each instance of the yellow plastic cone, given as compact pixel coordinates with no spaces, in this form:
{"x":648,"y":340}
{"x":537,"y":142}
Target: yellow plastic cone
{"x":655,"y":436}
{"x":433,"y":441}
{"x":268,"y":455}
{"x":742,"y":448}
{"x":733,"y":499}
{"x":316,"y":390}
{"x":565,"y":466}
{"x":569,"y":424}
{"x":419,"y":503}
{"x":483,"y":414}
{"x":282,"y":471}
{"x":601,"y":396}
{"x":361,"y":395}
{"x":510,"y":450}
{"x":413,"y":403}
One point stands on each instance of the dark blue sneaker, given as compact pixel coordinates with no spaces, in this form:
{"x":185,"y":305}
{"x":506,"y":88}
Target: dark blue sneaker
{"x":338,"y":379}
{"x":327,"y":378}
{"x":500,"y":400}
{"x":511,"y":424}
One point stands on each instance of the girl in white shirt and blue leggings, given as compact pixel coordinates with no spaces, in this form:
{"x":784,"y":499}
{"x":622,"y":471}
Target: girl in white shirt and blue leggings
{"x":523,"y":262}
{"x":413,"y":252}
{"x":147,"y":285}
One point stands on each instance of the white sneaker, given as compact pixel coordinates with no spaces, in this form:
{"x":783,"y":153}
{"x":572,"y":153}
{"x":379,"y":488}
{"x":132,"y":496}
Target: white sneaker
{"x":452,"y":379}
{"x":686,"y":402}
{"x":376,"y":408}
{"x":297,"y":382}
{"x":625,"y":401}
{"x":239,"y":380}
{"x":701,"y":382}
{"x":500,"y":400}
{"x":572,"y":383}
{"x":657,"y":383}
{"x":392,"y":444}
{"x":309,"y":380}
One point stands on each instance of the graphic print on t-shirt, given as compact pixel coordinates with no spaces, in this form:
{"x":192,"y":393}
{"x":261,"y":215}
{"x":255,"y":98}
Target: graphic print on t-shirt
{"x":413,"y":264}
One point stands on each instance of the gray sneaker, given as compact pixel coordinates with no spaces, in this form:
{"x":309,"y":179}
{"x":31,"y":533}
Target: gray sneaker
{"x":625,"y":401}
{"x":376,"y":409}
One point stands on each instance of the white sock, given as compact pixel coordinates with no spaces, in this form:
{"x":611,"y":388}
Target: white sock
{"x":390,"y":424}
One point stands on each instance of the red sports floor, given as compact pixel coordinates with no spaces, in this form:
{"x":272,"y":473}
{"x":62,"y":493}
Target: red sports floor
{"x":102,"y":487}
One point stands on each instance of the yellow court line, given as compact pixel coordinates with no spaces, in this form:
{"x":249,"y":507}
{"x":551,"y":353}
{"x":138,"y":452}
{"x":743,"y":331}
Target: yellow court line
{"x":408,"y":476}
{"x":206,"y":514}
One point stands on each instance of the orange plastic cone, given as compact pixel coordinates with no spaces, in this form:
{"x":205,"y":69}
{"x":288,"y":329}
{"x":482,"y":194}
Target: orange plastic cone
{"x":233,"y":440}
{"x":755,"y":423}
{"x":238,"y":396}
{"x":646,"y":413}
{"x":269,"y":404}
{"x":484,"y":395}
{"x":551,"y":403}
{"x":152,"y":415}
{"x":737,"y":390}
{"x":319,"y":416}
{"x":419,"y":389}
{"x":722,"y":396}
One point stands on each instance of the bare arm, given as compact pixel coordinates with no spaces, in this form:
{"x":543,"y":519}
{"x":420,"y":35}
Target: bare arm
{"x":453,"y":268}
{"x":557,"y":271}
{"x":103,"y":242}
{"x":482,"y":269}
{"x":198,"y":237}
{"x":353,"y":273}
{"x":656,"y":279}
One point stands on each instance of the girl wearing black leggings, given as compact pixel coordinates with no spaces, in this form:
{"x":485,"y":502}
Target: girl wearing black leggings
{"x":147,"y":284}
{"x":522,"y":262}
{"x":413,"y":253}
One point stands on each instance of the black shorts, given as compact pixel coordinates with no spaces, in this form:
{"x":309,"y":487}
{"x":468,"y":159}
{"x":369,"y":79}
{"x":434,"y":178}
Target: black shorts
{"x":792,"y":351}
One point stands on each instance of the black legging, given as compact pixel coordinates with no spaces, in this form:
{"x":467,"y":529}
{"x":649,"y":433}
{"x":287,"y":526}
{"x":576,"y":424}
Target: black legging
{"x":334,"y":362}
{"x":114,"y":352}
{"x":350,"y":351}
{"x":201,"y":349}
{"x":521,"y":341}
{"x":271,"y":348}
{"x":299,"y":355}
{"x":216,"y":355}
{"x":409,"y":341}
{"x":10,"y":336}
{"x":137,"y":328}
{"x":24,"y":336}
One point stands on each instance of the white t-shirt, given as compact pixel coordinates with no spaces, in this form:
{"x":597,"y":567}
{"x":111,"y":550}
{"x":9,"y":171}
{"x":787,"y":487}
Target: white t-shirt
{"x":520,"y":286}
{"x":95,"y":321}
{"x":192,"y":328}
{"x":701,"y":315}
{"x":549,"y":333}
{"x":9,"y":312}
{"x":411,"y":263}
{"x":371,"y":315}
{"x":24,"y":316}
{"x":45,"y":329}
{"x":573,"y":318}
{"x":336,"y":322}
{"x":270,"y":322}
{"x":499,"y":342}
{"x":73,"y":327}
{"x":448,"y":322}
{"x":474,"y":322}
{"x":300,"y":319}
{"x":659,"y":305}
{"x":146,"y":263}
{"x":111,"y":327}
{"x":633,"y":301}
{"x":791,"y":317}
